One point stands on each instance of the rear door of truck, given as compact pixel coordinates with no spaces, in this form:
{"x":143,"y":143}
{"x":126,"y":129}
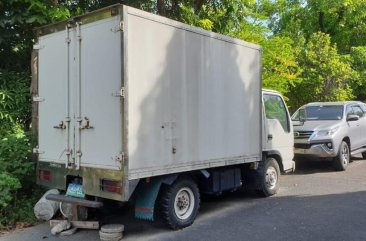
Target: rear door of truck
{"x":79,"y":94}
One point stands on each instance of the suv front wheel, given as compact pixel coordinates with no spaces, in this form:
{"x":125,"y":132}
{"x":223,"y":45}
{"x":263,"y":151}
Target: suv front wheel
{"x":341,"y":161}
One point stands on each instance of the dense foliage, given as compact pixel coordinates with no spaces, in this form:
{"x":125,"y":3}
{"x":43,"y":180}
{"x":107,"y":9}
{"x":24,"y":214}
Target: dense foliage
{"x":16,"y":165}
{"x":313,"y":50}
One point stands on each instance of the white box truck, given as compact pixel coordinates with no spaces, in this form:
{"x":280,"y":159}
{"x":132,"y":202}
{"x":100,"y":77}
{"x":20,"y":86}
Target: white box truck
{"x":130,"y":105}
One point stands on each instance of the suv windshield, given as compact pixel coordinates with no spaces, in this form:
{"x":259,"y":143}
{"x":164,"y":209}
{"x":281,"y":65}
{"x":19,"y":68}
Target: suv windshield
{"x":321,"y":112}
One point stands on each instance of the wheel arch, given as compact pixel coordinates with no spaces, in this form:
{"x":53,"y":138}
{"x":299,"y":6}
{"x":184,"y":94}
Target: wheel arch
{"x":348,"y":141}
{"x":276,"y":155}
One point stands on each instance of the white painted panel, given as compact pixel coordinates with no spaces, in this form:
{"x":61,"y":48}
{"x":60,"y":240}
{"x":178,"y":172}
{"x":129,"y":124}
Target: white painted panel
{"x":204,"y":91}
{"x":149,"y":120}
{"x":100,"y":79}
{"x":53,"y":88}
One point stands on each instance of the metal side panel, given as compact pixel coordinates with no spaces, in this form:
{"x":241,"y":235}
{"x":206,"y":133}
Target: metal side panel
{"x":149,"y":123}
{"x":98,"y":132}
{"x":52,"y":97}
{"x":194,"y":98}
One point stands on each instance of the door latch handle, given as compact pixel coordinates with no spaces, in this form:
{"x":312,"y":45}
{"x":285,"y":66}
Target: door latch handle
{"x":86,"y":125}
{"x":60,"y":126}
{"x":270,"y":136}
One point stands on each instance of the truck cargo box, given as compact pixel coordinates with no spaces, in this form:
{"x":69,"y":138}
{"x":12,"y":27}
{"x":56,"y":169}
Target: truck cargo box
{"x":124,"y":94}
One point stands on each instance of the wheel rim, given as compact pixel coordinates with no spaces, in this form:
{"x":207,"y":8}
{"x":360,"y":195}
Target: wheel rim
{"x":271,"y":177}
{"x":184,"y":203}
{"x":345,"y":155}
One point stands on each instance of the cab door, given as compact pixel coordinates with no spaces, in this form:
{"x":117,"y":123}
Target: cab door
{"x":278,"y":134}
{"x":354,"y":128}
{"x":360,"y":125}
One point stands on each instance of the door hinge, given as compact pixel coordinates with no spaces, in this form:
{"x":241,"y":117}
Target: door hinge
{"x":120,"y":93}
{"x":36,"y":150}
{"x":38,"y":46}
{"x":118,"y":28}
{"x":121,"y":158}
{"x":38,"y":99}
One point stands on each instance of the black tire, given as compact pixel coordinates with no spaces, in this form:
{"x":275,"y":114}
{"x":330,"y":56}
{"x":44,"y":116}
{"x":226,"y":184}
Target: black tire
{"x":268,"y":177}
{"x":343,"y":158}
{"x":179,"y":203}
{"x":364,"y":155}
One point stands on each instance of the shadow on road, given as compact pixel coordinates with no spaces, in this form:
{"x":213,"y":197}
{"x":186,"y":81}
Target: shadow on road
{"x":290,"y":216}
{"x":243,"y":213}
{"x":209,"y":204}
{"x":311,"y":166}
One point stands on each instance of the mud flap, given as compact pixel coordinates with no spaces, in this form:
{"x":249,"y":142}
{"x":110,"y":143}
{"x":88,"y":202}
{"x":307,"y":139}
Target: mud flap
{"x":252,"y":177}
{"x":146,"y":195}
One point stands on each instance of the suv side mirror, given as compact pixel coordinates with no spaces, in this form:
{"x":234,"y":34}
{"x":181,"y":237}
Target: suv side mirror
{"x":353,"y":117}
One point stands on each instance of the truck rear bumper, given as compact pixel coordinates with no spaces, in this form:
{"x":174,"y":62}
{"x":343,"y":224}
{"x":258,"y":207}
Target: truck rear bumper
{"x":92,"y":179}
{"x":74,"y":200}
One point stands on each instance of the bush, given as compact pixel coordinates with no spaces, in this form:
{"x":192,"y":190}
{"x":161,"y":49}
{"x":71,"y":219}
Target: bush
{"x":19,"y":212}
{"x":15,"y":105}
{"x":15,"y":156}
{"x":17,"y":169}
{"x":17,"y":180}
{"x":8,"y":185}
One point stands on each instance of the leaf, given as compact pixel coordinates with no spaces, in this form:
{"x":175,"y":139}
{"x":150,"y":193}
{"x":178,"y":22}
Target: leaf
{"x":32,"y":19}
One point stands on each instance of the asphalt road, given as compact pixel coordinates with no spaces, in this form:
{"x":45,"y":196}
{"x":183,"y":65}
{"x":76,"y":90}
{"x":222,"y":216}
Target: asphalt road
{"x":314,"y":203}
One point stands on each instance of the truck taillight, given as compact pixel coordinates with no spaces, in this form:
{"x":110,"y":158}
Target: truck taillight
{"x":110,"y":186}
{"x":44,"y":175}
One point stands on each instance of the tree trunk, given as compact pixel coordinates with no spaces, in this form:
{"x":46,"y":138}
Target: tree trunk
{"x":321,"y":22}
{"x":34,"y":92}
{"x":161,"y":7}
{"x":198,"y":4}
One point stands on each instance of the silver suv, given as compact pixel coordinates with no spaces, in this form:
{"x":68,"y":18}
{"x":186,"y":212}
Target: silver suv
{"x":330,"y":130}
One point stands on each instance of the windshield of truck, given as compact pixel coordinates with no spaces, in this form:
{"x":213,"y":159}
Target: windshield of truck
{"x":320,"y":112}
{"x":275,"y":108}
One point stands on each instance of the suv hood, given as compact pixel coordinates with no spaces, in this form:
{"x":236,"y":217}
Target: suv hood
{"x":314,"y":125}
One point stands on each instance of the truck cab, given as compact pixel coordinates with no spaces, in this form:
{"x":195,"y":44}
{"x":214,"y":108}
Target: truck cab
{"x":278,"y":138}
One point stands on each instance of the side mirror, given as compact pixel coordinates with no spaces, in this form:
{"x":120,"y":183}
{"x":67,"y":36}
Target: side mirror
{"x":302,"y":115}
{"x":353,"y":117}
{"x":302,"y":119}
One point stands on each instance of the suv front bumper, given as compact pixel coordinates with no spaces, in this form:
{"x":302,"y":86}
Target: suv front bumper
{"x":318,"y":150}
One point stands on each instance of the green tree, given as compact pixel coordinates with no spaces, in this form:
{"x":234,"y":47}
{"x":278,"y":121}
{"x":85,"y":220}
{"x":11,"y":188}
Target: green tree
{"x":344,"y":21}
{"x":358,"y":59}
{"x":281,"y":71}
{"x":326,"y":75}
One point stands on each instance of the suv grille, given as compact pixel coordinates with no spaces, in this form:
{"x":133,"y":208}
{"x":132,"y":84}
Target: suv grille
{"x":302,"y":134}
{"x":302,"y":146}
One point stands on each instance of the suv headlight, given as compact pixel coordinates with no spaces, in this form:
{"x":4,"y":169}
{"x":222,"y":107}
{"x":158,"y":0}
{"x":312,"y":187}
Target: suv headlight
{"x":327,"y":132}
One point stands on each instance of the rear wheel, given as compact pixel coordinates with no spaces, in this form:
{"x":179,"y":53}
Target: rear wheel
{"x":179,"y":203}
{"x":364,"y":155}
{"x":341,"y":161}
{"x":269,"y":178}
